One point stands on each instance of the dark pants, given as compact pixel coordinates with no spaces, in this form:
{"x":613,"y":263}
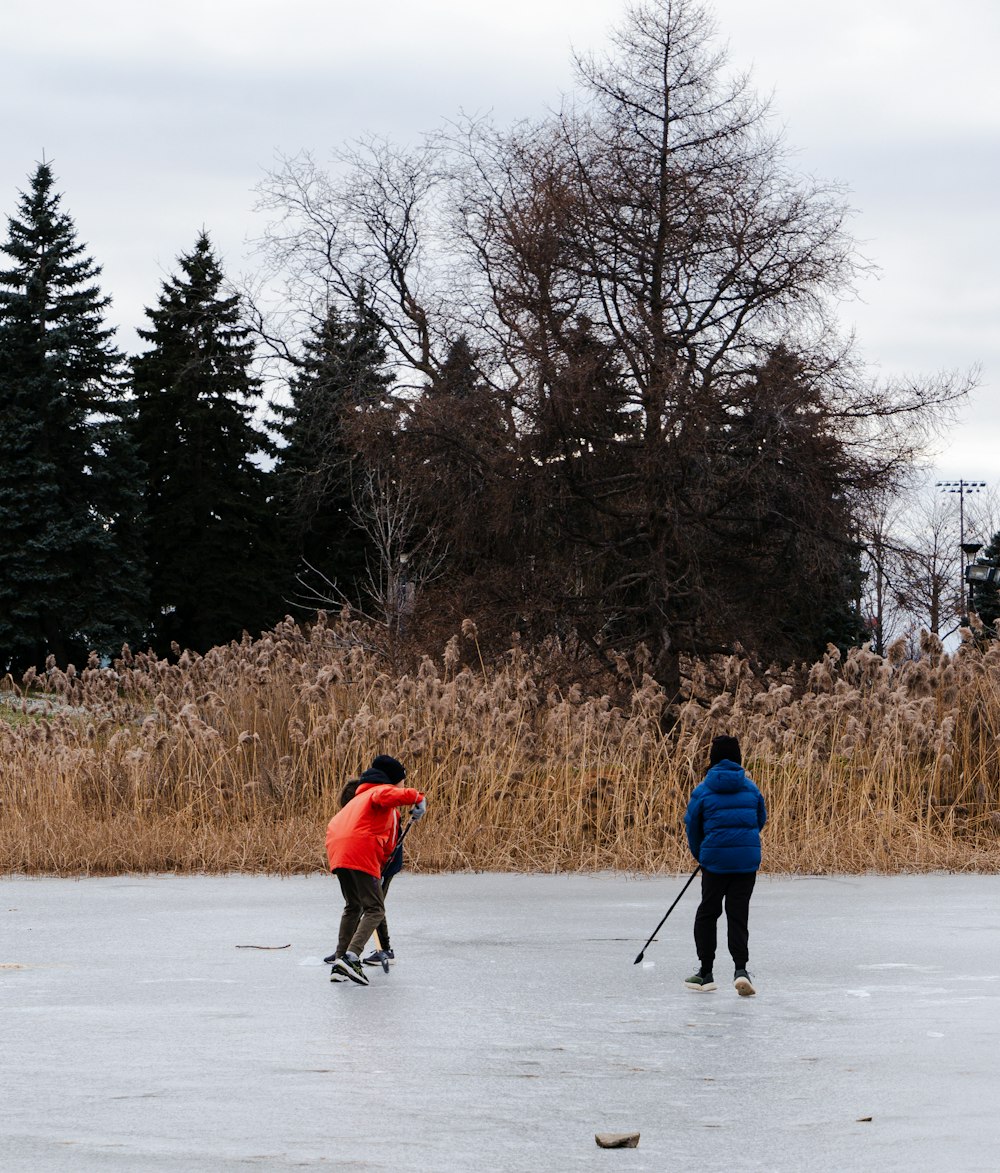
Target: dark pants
{"x":735,"y":890}
{"x":364,"y":909}
{"x":383,"y":929}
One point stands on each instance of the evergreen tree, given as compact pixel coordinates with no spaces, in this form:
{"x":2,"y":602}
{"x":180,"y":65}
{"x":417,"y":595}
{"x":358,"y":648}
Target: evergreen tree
{"x":781,"y":482}
{"x":210,"y":530}
{"x":457,"y":460}
{"x":458,"y":379}
{"x":342,"y":370}
{"x":71,"y":575}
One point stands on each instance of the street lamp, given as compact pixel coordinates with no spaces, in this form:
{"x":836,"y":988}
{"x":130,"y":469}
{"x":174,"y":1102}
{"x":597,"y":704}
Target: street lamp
{"x":970,"y":550}
{"x":983,"y":572}
{"x":963,"y":487}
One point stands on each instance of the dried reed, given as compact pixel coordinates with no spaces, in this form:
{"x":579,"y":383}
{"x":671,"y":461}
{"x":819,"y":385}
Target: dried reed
{"x":234,"y":761}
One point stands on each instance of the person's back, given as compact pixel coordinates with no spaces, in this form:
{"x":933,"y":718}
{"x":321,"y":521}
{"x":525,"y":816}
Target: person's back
{"x":723,"y":821}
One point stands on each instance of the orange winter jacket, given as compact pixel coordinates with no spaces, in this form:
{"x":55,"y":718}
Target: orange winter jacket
{"x":363,"y":834}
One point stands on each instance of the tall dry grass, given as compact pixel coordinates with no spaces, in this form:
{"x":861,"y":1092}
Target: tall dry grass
{"x":235,"y":760}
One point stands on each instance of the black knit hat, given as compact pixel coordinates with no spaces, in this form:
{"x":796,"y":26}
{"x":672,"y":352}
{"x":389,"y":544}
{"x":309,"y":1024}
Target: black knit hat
{"x":725,"y":749}
{"x":392,"y":769}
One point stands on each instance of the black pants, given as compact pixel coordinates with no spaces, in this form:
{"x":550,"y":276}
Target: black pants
{"x":383,"y":929}
{"x":364,"y":909}
{"x":735,"y":890}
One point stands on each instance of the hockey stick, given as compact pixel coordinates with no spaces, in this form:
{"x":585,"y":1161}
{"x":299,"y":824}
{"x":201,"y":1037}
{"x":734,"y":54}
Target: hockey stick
{"x":667,"y":913}
{"x":385,"y":887}
{"x":406,"y":830}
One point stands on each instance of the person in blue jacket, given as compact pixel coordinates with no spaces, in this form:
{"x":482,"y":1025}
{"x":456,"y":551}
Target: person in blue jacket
{"x":723,"y":820}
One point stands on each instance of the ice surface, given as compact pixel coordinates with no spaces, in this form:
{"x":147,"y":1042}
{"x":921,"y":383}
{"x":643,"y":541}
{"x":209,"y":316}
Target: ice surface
{"x":136,"y":1036}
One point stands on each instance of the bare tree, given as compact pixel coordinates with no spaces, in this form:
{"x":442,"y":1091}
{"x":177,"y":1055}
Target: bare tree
{"x":888,"y":564}
{"x":913,"y":561}
{"x":931,"y":563}
{"x":409,"y":555}
{"x":983,"y":520}
{"x":362,"y":238}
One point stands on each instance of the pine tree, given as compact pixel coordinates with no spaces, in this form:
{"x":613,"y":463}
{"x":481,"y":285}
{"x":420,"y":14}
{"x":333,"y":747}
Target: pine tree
{"x":788,"y":563}
{"x":210,"y":531}
{"x":458,"y":379}
{"x":342,"y":369}
{"x":71,"y":577}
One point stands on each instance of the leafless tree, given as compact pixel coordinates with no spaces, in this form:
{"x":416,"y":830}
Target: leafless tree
{"x":932,"y":563}
{"x":363,"y":234}
{"x":409,"y":554}
{"x":984,"y":514}
{"x":888,"y":564}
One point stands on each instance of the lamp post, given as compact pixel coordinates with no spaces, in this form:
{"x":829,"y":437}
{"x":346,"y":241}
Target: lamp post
{"x":963,"y":487}
{"x":970,"y":550}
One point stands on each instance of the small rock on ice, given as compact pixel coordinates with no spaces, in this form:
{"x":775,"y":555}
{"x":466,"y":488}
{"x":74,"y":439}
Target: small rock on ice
{"x":617,"y":1140}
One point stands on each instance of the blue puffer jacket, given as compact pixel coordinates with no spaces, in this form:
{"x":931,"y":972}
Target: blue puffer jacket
{"x":724,"y":819}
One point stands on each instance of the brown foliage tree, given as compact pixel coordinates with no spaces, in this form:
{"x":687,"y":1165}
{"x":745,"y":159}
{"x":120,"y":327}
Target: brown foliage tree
{"x":664,"y":441}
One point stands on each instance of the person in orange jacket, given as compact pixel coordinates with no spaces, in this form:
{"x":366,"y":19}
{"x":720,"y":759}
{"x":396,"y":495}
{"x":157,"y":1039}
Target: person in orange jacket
{"x":360,"y":840}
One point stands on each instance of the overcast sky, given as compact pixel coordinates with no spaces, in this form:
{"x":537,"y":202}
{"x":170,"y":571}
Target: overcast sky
{"x":160,"y":119}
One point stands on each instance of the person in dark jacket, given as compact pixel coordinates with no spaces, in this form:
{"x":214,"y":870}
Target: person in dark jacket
{"x":723,"y":821}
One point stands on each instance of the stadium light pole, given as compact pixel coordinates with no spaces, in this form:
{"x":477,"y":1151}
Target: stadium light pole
{"x":962,"y":487}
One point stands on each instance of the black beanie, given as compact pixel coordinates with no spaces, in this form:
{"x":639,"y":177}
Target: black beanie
{"x":392,"y":769}
{"x":725,"y":749}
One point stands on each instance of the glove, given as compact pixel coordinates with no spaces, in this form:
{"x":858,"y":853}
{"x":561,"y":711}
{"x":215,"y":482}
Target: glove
{"x":419,"y":810}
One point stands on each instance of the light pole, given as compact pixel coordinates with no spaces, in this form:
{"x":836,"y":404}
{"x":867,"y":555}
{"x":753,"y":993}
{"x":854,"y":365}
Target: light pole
{"x":970,"y":550}
{"x":963,"y":487}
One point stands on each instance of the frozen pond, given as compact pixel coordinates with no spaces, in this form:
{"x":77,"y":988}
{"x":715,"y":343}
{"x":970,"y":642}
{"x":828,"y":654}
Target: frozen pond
{"x":136,"y":1036}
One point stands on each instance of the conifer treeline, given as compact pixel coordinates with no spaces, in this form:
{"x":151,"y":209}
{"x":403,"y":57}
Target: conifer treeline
{"x":141,"y":500}
{"x":71,"y":518}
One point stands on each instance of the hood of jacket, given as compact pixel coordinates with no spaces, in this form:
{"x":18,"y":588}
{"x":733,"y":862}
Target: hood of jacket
{"x":725,"y":777}
{"x":373,"y":777}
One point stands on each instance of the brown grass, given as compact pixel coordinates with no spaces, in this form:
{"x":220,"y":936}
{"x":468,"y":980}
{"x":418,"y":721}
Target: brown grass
{"x":235,"y":760}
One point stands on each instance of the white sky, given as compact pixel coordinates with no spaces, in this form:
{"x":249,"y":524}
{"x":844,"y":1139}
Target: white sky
{"x":160,"y":118}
